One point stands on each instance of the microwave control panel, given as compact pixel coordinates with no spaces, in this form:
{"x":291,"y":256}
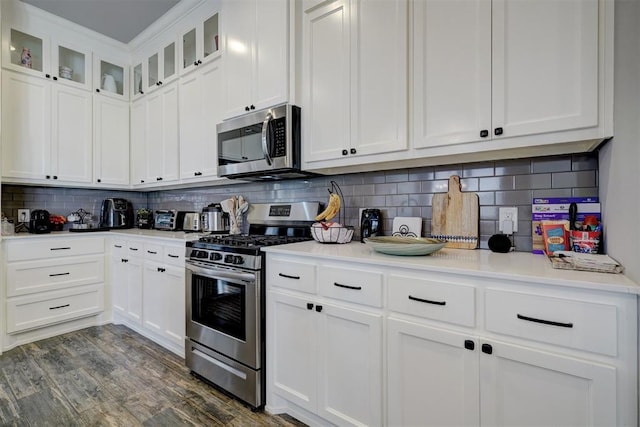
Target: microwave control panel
{"x":279,"y":137}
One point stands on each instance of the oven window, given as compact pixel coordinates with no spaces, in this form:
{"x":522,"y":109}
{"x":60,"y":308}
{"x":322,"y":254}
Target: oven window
{"x":219,"y":305}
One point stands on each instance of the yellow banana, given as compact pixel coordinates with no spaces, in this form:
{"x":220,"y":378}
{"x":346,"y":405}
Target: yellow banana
{"x":332,"y":208}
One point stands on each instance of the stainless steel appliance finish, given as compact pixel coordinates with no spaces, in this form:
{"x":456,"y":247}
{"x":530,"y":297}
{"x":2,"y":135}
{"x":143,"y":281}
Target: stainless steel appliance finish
{"x":214,"y":219}
{"x":262,"y":145}
{"x":165,"y":219}
{"x":116,"y":213}
{"x":225,"y":297}
{"x":191,"y":221}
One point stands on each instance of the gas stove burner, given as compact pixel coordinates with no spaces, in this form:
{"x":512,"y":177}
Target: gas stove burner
{"x":250,"y":241}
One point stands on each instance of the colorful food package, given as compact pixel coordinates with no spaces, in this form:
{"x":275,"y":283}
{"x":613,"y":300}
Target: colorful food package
{"x":555,"y":235}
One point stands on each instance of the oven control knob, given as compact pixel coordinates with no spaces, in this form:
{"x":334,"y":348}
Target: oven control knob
{"x":215,"y":256}
{"x":201,"y":254}
{"x":228,"y":259}
{"x":237,"y":259}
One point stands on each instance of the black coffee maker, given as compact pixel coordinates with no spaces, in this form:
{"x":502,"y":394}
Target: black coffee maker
{"x":370,"y":223}
{"x":39,"y":222}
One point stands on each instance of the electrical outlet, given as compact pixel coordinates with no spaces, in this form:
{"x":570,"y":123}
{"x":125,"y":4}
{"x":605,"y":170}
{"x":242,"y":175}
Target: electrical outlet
{"x":23,"y":215}
{"x":508,"y":214}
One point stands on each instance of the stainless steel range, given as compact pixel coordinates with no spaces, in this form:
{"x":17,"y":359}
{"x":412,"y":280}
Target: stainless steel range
{"x":225,"y":310}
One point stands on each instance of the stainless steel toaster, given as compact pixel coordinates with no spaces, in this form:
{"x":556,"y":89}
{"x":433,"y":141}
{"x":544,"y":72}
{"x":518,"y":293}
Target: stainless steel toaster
{"x":191,"y":221}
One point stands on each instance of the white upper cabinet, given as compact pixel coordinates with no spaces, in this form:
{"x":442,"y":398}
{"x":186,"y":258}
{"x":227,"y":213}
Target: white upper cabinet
{"x":502,"y":69}
{"x":256,"y":55}
{"x":111,"y":142}
{"x":155,"y":68}
{"x":111,"y":77}
{"x":354,"y":79}
{"x":200,"y":111}
{"x":199,"y":41}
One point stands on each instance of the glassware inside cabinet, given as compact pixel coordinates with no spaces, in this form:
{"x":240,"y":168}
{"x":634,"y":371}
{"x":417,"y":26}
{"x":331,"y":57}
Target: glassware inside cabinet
{"x":137,"y":79}
{"x":26,"y":50}
{"x":169,"y":65}
{"x":71,"y":65}
{"x":211,"y":35}
{"x":111,"y":78}
{"x":189,"y":48}
{"x":153,"y":77}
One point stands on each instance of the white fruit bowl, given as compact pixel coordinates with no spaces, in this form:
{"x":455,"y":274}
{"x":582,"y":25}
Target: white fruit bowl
{"x":331,"y":233}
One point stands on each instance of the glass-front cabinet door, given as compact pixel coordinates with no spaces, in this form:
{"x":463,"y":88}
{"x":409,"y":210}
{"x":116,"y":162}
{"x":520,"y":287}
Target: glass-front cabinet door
{"x":26,"y":52}
{"x":169,"y":61}
{"x":137,"y":79}
{"x":71,"y":65}
{"x":200,"y":43}
{"x":153,"y":76}
{"x":111,"y":78}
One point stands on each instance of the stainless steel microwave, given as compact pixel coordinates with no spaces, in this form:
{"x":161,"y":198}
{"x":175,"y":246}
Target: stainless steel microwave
{"x":262,"y":145}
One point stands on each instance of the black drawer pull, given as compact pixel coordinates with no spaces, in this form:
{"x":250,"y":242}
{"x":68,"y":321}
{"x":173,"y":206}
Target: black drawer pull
{"x":318,"y":308}
{"x":133,"y":249}
{"x":340,"y":285}
{"x":60,"y":249}
{"x":118,"y":246}
{"x":487,"y":348}
{"x":309,"y":306}
{"x":545,"y":322}
{"x":59,"y":274}
{"x":469,"y":345}
{"x":152,"y":252}
{"x":60,"y":306}
{"x":411,"y":297}
{"x":173,"y":256}
{"x":286,"y":276}
{"x":161,"y":270}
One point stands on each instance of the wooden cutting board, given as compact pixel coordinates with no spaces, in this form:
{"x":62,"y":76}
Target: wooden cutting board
{"x":454,"y":216}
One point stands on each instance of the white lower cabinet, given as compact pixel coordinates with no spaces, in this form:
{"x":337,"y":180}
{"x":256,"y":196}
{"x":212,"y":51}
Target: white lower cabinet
{"x":51,"y":281}
{"x":363,"y":344}
{"x":148,"y":294}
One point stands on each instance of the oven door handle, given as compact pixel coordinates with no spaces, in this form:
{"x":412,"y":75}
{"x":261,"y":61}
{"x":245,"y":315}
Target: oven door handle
{"x":265,"y":148}
{"x":216,"y":273}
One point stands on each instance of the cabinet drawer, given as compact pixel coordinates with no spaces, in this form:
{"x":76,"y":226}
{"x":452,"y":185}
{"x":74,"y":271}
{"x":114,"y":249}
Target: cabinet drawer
{"x":54,"y":247}
{"x":50,"y":274}
{"x":299,"y":276}
{"x":134,"y":248}
{"x":576,"y":324}
{"x":35,"y":311}
{"x":153,"y":252}
{"x":362,"y":287}
{"x":174,"y":255}
{"x":446,"y":302}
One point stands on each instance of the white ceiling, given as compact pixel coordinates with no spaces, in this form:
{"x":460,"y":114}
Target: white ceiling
{"x":122,"y":20}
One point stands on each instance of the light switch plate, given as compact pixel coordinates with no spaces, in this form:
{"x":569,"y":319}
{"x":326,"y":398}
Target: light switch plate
{"x":508,"y":214}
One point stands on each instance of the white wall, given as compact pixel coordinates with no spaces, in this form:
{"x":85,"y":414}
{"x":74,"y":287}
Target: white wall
{"x":620,"y":157}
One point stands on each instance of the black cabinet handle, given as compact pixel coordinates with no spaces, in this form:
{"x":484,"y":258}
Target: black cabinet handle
{"x":286,"y":276}
{"x":55,"y":78}
{"x":47,"y":75}
{"x":340,"y":285}
{"x":141,"y":93}
{"x":142,"y":181}
{"x":353,"y":151}
{"x":427,"y":301}
{"x":59,"y":274}
{"x":152,"y":252}
{"x":253,"y":107}
{"x":545,"y":322}
{"x":60,"y":249}
{"x":345,"y":152}
{"x":133,"y":249}
{"x":173,"y":256}
{"x":197,"y":173}
{"x":469,"y":344}
{"x":497,"y":131}
{"x":486,"y":348}
{"x":48,"y":176}
{"x":318,"y":308}
{"x":309,"y":306}
{"x":99,"y":180}
{"x":199,"y":62}
{"x":117,"y":246}
{"x":55,"y":176}
{"x":124,"y":260}
{"x":246,"y":108}
{"x":162,"y":270}
{"x":59,"y":306}
{"x":484,"y":133}
{"x":157,"y":83}
{"x":195,"y":63}
{"x":98,"y":90}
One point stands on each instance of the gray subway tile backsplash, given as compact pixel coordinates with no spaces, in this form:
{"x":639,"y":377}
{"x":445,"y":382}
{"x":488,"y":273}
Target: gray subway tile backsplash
{"x":401,"y":192}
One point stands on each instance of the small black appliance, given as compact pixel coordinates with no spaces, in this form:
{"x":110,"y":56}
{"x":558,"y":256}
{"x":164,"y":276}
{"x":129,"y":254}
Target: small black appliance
{"x":116,"y":213}
{"x":370,"y":223}
{"x":39,"y":222}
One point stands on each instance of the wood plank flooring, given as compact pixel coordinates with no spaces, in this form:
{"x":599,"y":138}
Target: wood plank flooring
{"x":111,"y":376}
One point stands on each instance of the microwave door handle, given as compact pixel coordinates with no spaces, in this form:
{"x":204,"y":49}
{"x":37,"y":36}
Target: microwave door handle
{"x":265,"y":149}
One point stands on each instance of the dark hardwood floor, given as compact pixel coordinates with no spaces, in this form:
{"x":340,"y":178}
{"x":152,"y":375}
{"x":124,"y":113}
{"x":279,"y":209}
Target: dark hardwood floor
{"x":111,"y":376}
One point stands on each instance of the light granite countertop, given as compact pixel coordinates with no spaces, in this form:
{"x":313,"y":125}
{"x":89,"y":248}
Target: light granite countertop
{"x":123,"y":233}
{"x":514,"y":266}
